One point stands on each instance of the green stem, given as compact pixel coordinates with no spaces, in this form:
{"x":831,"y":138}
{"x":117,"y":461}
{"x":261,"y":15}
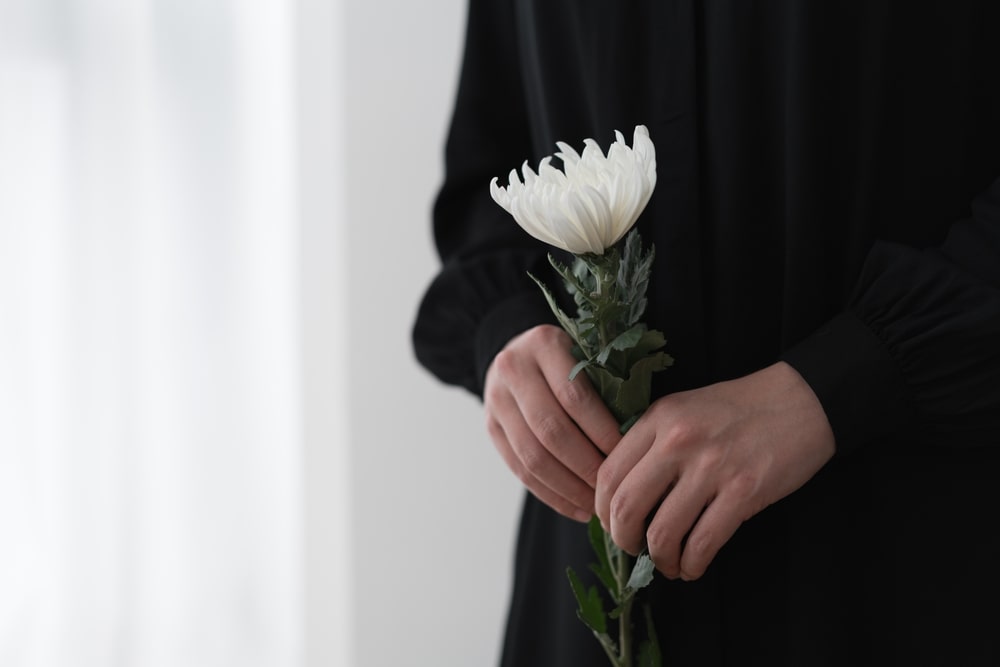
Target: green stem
{"x":609,"y":650}
{"x":600,"y":275}
{"x":624,"y":621}
{"x":621,"y":570}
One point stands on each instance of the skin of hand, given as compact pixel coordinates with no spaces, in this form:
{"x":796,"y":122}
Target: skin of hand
{"x":552,"y":433}
{"x":699,"y":463}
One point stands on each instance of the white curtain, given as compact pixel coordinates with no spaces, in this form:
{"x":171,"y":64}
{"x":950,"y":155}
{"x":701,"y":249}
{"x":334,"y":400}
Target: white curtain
{"x":150,"y":417}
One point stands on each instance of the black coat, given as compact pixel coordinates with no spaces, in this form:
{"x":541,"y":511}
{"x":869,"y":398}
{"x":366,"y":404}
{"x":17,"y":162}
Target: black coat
{"x":827,"y":194}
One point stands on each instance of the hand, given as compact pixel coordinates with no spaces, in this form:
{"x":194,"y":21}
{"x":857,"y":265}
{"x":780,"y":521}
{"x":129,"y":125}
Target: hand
{"x":552,"y":433}
{"x":699,"y":463}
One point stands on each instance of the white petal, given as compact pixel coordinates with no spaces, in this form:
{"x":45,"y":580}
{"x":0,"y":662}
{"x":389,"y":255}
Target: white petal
{"x":592,"y":202}
{"x":567,"y":154}
{"x":529,"y":175}
{"x":499,"y":194}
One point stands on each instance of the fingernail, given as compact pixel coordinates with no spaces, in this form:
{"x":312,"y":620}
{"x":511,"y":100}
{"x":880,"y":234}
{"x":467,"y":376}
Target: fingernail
{"x":582,"y":516}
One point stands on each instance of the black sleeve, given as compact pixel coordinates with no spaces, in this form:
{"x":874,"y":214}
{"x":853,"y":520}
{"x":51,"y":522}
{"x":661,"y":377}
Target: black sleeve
{"x":482,"y":296}
{"x":918,"y":350}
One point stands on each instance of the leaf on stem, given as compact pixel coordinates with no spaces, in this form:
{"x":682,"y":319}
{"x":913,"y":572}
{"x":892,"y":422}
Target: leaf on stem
{"x":624,"y":341}
{"x":633,"y":393}
{"x":649,"y":649}
{"x":576,"y":281}
{"x":642,"y":573}
{"x":603,"y":568}
{"x":590,"y":605}
{"x":579,"y":367}
{"x":633,"y":276}
{"x":567,"y":323}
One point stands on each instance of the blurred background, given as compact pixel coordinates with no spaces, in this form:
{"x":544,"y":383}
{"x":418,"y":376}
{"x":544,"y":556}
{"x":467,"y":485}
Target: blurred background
{"x":215,"y":446}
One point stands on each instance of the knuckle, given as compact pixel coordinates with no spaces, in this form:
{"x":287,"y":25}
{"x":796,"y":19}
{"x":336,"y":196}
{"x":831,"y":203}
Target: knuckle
{"x":683,"y":432}
{"x":505,"y":363}
{"x":744,"y":485}
{"x":549,"y":429}
{"x":533,"y":459}
{"x":698,"y":552}
{"x":572,"y":394}
{"x":606,"y":475}
{"x":547,"y":334}
{"x":664,"y":561}
{"x":698,"y":547}
{"x":623,"y":512}
{"x":659,"y":539}
{"x":712,"y":459}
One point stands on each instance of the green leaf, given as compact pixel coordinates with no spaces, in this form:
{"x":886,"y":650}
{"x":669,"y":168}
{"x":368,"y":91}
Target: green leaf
{"x":602,"y":568}
{"x":633,"y":276}
{"x":650,"y":340}
{"x":633,"y":393}
{"x":649,"y":654}
{"x":590,"y":606}
{"x":649,"y":649}
{"x":576,"y":284}
{"x":606,"y":578}
{"x":568,"y":324}
{"x":624,"y":341}
{"x":579,"y":367}
{"x":642,"y":572}
{"x":608,"y":387}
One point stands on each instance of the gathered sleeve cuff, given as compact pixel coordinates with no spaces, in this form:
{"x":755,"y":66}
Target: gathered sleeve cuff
{"x":917,"y":352}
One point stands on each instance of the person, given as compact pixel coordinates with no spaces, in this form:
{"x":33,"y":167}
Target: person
{"x":817,"y":478}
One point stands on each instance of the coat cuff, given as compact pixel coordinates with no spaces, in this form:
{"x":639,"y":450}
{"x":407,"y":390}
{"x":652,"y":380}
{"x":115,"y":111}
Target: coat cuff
{"x":856,"y":380}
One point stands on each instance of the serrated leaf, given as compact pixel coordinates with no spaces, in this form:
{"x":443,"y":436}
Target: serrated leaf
{"x":642,"y":573}
{"x":590,"y":608}
{"x":606,"y":578}
{"x":574,"y":283}
{"x":633,"y":276}
{"x":648,"y":341}
{"x":624,"y":341}
{"x":568,"y":324}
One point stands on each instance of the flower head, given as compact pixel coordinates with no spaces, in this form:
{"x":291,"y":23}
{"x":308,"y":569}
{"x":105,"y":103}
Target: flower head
{"x":589,"y":205}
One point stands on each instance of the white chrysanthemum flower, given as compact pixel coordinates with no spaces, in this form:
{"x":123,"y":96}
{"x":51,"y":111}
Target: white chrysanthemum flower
{"x":592,"y":204}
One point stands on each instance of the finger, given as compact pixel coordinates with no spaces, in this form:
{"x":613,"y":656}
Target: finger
{"x":616,"y":467}
{"x":518,"y":384}
{"x":638,"y":496}
{"x":536,"y":456}
{"x":673,"y":520}
{"x":719,"y":522}
{"x":557,"y":434}
{"x":582,"y":403}
{"x":530,"y":482}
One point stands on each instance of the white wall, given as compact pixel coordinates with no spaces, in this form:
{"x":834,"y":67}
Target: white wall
{"x":155,"y":157}
{"x":433,"y":509}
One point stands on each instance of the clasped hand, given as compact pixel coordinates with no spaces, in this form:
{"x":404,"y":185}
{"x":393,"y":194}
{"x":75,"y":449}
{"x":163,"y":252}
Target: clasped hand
{"x":683,"y":479}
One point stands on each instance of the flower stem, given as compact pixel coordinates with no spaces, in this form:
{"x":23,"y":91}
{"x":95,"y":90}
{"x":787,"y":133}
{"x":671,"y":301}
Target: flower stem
{"x":624,"y":621}
{"x":621,"y":569}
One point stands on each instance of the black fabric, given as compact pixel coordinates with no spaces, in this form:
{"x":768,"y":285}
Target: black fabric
{"x":827,"y":194}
